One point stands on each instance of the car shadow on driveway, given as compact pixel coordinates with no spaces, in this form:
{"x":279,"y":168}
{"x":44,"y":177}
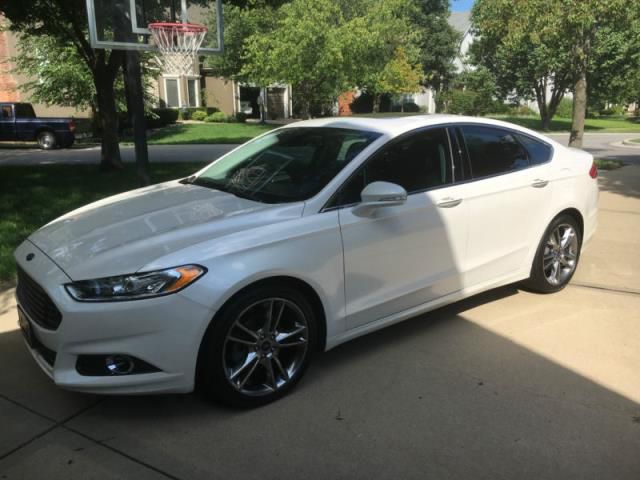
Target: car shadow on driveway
{"x":433,"y":397}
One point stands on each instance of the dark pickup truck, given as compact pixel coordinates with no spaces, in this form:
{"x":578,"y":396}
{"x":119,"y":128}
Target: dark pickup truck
{"x":18,"y":123}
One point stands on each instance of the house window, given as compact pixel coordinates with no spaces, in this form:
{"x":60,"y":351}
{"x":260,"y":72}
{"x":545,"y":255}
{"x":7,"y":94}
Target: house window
{"x":171,"y":92}
{"x":192,"y":90}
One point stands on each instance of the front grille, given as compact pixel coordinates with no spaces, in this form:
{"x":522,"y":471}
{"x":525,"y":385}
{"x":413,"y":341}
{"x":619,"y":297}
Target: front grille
{"x":35,"y":301}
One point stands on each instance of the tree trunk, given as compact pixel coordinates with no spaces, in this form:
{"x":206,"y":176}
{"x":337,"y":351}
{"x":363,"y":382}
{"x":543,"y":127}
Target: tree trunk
{"x":580,"y":94}
{"x":135,"y":107}
{"x":110,"y":152}
{"x":376,"y":103}
{"x":579,"y":111}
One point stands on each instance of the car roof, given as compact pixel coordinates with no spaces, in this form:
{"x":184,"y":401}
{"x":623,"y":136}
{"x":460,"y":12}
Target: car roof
{"x":394,"y":126}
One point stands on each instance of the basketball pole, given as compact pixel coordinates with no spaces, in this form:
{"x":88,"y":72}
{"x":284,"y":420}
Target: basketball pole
{"x":134,"y":92}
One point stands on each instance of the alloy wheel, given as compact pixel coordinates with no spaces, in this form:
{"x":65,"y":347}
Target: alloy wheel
{"x":265,"y":347}
{"x":560,"y":254}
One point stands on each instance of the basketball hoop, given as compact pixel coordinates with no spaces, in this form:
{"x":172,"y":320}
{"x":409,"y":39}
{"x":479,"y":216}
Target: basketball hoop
{"x":178,"y":44}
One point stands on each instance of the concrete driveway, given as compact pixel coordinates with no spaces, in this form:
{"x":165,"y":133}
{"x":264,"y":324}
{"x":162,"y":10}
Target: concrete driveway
{"x":505,"y":385}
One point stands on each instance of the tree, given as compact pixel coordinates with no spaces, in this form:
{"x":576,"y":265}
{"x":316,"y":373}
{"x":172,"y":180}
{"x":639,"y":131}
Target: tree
{"x":66,"y":21}
{"x":438,"y":44}
{"x":56,"y":74}
{"x":517,"y":43}
{"x":472,"y":92}
{"x":307,"y":49}
{"x":550,"y":46}
{"x":399,"y":76}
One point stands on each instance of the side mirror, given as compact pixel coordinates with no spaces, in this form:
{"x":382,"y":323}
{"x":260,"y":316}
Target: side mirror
{"x":380,"y":194}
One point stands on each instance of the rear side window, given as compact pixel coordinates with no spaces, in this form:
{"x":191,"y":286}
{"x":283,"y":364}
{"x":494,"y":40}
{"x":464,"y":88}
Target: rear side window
{"x":493,"y":151}
{"x":6,"y":111}
{"x":539,"y":152}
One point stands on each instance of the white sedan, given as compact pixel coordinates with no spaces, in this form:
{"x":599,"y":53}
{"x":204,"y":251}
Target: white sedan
{"x":304,"y":238}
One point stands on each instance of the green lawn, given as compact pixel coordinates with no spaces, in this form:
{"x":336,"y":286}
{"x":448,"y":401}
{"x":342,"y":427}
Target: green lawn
{"x":608,"y":124}
{"x":33,"y":196}
{"x":635,"y":140}
{"x":207,"y":133}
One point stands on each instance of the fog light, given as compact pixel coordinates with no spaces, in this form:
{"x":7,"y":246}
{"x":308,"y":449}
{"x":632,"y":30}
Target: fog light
{"x":119,"y":364}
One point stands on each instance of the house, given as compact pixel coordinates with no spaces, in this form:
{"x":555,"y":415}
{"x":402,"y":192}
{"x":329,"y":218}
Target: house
{"x":199,"y":88}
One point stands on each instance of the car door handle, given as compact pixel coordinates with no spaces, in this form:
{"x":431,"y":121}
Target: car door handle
{"x":539,"y":183}
{"x":449,"y":202}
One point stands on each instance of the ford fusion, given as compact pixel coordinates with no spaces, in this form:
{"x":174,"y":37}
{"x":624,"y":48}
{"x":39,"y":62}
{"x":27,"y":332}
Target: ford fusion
{"x":313,"y":234}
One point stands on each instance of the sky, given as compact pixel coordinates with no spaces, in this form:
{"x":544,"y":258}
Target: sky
{"x":461,"y":5}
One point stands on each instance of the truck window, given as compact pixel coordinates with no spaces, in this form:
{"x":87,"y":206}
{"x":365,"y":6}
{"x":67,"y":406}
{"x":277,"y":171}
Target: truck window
{"x":25,"y":110}
{"x":6,"y":111}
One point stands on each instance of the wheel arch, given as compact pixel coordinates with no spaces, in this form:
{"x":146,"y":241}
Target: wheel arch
{"x":302,"y":286}
{"x":576,"y":215}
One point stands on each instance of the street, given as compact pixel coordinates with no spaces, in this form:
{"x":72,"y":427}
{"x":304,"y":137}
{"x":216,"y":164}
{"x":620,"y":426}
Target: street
{"x":599,"y":144}
{"x":504,"y":385}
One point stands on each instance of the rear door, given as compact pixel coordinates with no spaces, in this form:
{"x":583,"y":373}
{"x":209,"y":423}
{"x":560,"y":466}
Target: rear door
{"x":7,"y":122}
{"x":511,"y":197}
{"x":400,"y":257}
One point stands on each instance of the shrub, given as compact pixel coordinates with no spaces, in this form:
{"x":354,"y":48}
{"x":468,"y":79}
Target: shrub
{"x":522,"y":111}
{"x":161,"y":117}
{"x":241,"y":117}
{"x":410,"y":107}
{"x":217,"y":117}
{"x":565,"y":108}
{"x":199,"y":115}
{"x":616,"y":110}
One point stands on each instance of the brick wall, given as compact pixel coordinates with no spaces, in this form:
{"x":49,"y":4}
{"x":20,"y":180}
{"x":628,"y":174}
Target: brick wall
{"x":8,"y":84}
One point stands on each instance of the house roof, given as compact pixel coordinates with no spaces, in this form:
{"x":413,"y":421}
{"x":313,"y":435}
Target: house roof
{"x":460,"y":21}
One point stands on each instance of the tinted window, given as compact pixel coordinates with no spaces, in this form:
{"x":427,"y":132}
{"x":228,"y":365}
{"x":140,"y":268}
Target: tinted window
{"x":539,"y":152}
{"x":493,"y":151}
{"x":418,"y":162}
{"x":24,"y":110}
{"x":287,"y":165}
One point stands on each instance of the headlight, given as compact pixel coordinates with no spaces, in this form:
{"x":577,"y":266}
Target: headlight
{"x":136,"y":285}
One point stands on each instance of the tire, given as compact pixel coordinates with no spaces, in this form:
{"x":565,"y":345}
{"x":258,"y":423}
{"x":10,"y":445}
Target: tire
{"x":47,"y":140}
{"x":557,"y":256}
{"x":243,"y":362}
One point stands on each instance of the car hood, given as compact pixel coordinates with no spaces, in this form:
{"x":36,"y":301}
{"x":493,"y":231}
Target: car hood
{"x":121,"y":234}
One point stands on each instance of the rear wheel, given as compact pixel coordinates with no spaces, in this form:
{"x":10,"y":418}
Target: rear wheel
{"x":258,"y":348}
{"x":47,"y":140}
{"x":557,"y":257}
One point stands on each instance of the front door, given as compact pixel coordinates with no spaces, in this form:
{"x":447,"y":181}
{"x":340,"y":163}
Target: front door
{"x":396,"y":258}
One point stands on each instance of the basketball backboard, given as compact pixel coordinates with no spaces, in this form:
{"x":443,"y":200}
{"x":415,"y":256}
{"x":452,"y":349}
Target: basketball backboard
{"x":123,"y":24}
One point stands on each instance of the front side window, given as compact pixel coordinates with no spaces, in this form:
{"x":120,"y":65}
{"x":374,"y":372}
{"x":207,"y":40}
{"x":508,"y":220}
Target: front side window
{"x":288,"y":165}
{"x":493,"y":151}
{"x":418,"y":162}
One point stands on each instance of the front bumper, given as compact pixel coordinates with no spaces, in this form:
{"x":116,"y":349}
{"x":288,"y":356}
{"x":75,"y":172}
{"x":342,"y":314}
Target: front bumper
{"x":164,"y":332}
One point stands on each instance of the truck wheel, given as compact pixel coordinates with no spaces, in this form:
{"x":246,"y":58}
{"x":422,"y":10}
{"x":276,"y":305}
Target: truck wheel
{"x":47,"y":140}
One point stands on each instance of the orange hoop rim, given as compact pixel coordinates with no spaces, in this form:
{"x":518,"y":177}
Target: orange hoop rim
{"x":182,"y":27}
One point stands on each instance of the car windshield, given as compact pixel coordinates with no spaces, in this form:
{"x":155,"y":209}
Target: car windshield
{"x":287,"y":165}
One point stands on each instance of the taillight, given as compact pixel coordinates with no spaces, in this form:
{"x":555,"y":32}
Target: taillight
{"x":593,"y":173}
{"x":72,"y":126}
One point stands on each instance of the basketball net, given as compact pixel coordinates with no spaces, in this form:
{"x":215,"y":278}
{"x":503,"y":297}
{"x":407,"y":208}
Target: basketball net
{"x":178,"y":44}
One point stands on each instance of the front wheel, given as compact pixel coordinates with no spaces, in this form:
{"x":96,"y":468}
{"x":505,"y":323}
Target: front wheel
{"x":557,"y":256}
{"x":47,"y":140}
{"x":258,"y":348}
